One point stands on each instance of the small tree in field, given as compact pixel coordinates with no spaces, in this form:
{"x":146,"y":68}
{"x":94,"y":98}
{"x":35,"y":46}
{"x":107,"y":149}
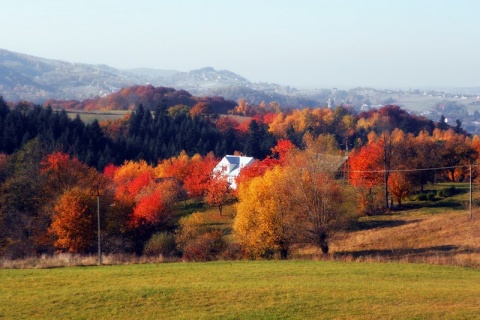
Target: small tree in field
{"x":218,"y":192}
{"x":319,"y":199}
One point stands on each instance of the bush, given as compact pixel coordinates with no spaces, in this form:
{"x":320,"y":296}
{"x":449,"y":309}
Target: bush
{"x":421,"y":197}
{"x":206,"y":247}
{"x":190,"y":228}
{"x":447,"y":192}
{"x":233,"y":251}
{"x":162,"y":243}
{"x":431,"y":195}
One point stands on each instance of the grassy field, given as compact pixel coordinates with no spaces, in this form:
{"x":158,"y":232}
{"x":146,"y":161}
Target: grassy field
{"x":90,"y":116}
{"x":242,"y":290}
{"x":436,"y":231}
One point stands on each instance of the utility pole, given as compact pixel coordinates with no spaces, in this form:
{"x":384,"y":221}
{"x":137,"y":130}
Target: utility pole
{"x":470,"y":206}
{"x":96,"y":192}
{"x":345,"y":176}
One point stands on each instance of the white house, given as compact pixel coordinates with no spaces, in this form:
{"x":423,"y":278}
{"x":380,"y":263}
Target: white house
{"x":230,"y":166}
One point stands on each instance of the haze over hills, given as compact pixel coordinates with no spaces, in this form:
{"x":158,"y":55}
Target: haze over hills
{"x":25,"y":77}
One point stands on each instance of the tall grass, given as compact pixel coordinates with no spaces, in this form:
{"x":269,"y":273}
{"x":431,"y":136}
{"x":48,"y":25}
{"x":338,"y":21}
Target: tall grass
{"x":72,"y":260}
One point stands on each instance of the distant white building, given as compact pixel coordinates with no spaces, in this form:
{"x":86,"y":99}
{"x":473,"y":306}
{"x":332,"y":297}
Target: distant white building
{"x":230,"y":167}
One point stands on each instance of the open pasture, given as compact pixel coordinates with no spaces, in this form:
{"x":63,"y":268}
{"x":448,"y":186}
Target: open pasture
{"x":242,"y":290}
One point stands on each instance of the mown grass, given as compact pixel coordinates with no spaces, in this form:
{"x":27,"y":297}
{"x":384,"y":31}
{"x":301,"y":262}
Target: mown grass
{"x":242,"y":290}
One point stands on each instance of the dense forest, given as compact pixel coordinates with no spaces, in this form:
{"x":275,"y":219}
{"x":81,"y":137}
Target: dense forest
{"x":151,"y":135}
{"x":144,"y":165}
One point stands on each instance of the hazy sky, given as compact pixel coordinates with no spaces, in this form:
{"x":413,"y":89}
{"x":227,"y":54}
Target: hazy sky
{"x":303,"y":43}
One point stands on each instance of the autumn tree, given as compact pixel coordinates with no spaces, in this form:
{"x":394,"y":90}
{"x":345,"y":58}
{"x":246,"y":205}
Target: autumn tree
{"x":319,"y":200}
{"x":400,"y":186}
{"x":150,"y":210}
{"x":279,"y":155}
{"x":365,"y":173}
{"x":218,"y":192}
{"x":456,"y":152}
{"x":63,"y":172}
{"x":266,"y":220}
{"x":297,"y":202}
{"x":73,"y":222}
{"x":200,"y":108}
{"x":23,"y":220}
{"x":200,"y":174}
{"x":190,"y":227}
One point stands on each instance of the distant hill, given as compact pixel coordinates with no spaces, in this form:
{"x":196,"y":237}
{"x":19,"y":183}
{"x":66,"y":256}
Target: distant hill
{"x":24,"y":77}
{"x":149,"y":96}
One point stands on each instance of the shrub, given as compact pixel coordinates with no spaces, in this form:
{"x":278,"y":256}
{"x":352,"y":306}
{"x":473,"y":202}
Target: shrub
{"x":206,"y":247}
{"x":162,"y":243}
{"x":431,"y":195}
{"x":233,"y":251}
{"x":421,"y":197}
{"x":447,"y":192}
{"x":190,"y":228}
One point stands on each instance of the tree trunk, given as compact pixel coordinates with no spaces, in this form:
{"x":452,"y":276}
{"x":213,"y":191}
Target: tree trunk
{"x":283,"y":253}
{"x":323,"y":242}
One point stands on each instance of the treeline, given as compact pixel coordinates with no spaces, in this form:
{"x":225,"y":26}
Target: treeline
{"x":48,"y":200}
{"x":48,"y":204}
{"x":151,"y":135}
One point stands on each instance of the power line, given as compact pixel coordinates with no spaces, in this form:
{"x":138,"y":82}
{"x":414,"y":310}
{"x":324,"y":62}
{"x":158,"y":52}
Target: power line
{"x":410,"y":170}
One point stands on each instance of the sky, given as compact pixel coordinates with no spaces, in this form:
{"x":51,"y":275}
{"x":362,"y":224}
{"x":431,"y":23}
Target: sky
{"x":301,"y":43}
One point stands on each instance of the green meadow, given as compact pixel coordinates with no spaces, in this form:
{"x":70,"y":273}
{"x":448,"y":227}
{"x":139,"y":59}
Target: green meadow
{"x":242,"y":290}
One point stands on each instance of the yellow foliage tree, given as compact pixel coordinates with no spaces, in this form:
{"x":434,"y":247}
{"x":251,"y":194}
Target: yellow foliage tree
{"x":299,"y":202}
{"x":266,"y":220}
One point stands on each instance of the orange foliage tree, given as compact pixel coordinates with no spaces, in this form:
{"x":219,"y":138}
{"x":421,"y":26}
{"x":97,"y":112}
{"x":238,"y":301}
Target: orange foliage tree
{"x":400,"y":186}
{"x":218,"y":192}
{"x":73,"y":222}
{"x":63,"y":172}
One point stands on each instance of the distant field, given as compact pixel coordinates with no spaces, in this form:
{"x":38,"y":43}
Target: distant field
{"x":418,"y":102}
{"x":242,"y":290}
{"x":89,"y":116}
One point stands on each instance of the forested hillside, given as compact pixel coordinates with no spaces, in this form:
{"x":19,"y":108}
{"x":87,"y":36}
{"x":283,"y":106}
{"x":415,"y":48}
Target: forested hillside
{"x":148,"y":96}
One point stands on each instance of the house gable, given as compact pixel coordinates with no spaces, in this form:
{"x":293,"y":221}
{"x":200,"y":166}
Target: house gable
{"x":230,"y":167}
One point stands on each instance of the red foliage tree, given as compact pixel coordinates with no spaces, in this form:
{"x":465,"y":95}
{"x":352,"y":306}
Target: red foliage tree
{"x":366,"y":166}
{"x":281,"y":150}
{"x":366,"y":172}
{"x":196,"y":182}
{"x":150,"y":210}
{"x":109,"y":171}
{"x":218,"y":192}
{"x":64,"y":172}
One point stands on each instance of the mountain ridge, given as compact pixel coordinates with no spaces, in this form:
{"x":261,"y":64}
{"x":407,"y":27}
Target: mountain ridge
{"x":36,"y":79}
